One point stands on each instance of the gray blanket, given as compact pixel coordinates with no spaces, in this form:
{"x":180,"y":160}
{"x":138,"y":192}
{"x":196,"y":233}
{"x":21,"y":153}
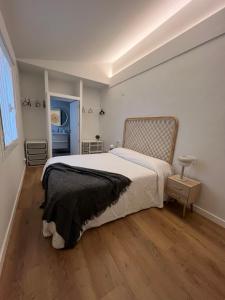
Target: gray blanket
{"x":75,"y":195}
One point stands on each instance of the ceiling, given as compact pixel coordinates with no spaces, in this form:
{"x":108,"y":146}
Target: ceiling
{"x":96,"y":31}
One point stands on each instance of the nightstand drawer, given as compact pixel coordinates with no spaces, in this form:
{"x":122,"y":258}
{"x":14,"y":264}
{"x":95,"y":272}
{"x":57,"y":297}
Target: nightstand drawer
{"x":177,"y":188}
{"x":175,"y":195}
{"x":185,"y":190}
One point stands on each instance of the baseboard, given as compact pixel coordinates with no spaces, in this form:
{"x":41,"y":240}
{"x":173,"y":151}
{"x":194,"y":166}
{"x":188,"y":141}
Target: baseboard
{"x":209,"y":216}
{"x":10,"y":225}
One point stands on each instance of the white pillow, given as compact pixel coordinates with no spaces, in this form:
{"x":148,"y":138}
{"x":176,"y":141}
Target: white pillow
{"x":143,"y":160}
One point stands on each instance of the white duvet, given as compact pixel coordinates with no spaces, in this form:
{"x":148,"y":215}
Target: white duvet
{"x":147,"y":174}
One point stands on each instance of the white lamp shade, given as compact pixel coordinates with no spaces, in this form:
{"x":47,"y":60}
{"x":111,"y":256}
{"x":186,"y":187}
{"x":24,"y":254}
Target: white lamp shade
{"x":186,"y":160}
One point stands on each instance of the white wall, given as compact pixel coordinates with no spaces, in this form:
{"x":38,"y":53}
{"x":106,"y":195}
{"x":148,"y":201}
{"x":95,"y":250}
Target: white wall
{"x":34,"y":119}
{"x":192,"y":88}
{"x":62,"y":86}
{"x":11,"y":165}
{"x":91,"y":99}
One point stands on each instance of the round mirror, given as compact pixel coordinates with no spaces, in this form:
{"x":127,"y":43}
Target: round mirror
{"x":58,"y":117}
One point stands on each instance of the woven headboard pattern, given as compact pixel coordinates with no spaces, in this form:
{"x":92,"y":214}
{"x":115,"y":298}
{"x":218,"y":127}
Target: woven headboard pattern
{"x":152,"y":136}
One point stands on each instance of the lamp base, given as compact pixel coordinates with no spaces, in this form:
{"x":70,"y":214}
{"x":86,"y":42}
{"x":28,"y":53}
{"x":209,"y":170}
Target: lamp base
{"x":182,"y":173}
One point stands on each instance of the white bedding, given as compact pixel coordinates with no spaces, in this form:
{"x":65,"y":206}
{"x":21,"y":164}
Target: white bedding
{"x":146,"y":190}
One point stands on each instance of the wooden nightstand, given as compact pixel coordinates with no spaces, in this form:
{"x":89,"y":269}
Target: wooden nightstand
{"x":184,"y":190}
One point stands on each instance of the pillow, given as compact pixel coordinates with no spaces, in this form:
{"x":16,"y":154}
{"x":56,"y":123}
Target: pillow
{"x":143,"y":160}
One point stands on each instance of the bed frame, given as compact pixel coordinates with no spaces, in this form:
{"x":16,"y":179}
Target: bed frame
{"x":152,"y":136}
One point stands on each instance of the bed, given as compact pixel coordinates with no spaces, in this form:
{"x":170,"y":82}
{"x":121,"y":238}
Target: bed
{"x":145,"y":158}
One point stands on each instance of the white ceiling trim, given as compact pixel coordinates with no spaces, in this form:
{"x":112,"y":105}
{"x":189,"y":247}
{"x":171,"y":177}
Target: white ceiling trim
{"x":160,"y":18}
{"x":193,"y":14}
{"x":209,"y":29}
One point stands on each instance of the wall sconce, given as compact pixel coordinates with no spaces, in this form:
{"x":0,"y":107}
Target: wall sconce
{"x":101,"y":112}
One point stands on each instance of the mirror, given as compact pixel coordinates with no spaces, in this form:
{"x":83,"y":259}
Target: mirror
{"x":58,"y":117}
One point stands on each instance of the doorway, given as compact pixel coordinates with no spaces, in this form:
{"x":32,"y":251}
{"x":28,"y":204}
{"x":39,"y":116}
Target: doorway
{"x":65,"y":126}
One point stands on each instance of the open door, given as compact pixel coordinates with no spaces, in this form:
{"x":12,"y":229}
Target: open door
{"x":75,"y":127}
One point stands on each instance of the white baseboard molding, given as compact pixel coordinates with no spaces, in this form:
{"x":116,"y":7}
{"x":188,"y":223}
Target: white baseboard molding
{"x":10,"y":225}
{"x":209,"y":216}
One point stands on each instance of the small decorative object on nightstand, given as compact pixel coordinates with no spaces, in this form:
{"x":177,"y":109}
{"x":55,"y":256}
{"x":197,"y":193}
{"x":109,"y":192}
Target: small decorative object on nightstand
{"x":184,"y":190}
{"x":185,"y":161}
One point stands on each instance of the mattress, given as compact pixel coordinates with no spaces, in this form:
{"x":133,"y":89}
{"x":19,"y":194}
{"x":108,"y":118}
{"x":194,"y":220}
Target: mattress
{"x":146,"y":190}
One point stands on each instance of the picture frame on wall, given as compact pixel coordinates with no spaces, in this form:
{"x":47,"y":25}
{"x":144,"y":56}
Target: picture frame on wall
{"x":56,"y":116}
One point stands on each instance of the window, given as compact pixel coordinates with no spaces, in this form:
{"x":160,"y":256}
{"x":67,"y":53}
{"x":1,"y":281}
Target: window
{"x":7,"y":101}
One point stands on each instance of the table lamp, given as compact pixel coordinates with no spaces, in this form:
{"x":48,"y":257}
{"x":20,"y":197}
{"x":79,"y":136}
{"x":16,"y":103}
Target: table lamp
{"x":185,"y":161}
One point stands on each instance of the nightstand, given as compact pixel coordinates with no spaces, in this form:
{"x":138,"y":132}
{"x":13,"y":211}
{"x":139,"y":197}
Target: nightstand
{"x":185,"y":191}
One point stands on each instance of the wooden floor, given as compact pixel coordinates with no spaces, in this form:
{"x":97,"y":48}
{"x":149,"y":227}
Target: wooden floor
{"x":154,"y":254}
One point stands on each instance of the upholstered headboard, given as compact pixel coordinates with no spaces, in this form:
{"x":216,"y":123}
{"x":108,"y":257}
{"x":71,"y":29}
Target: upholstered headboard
{"x":153,"y":136}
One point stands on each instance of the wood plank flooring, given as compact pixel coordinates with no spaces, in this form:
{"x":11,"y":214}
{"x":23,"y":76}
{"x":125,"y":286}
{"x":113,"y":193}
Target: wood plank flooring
{"x":153,"y":254}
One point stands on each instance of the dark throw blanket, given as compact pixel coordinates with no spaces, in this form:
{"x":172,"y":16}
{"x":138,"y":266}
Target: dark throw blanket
{"x":75,"y":195}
